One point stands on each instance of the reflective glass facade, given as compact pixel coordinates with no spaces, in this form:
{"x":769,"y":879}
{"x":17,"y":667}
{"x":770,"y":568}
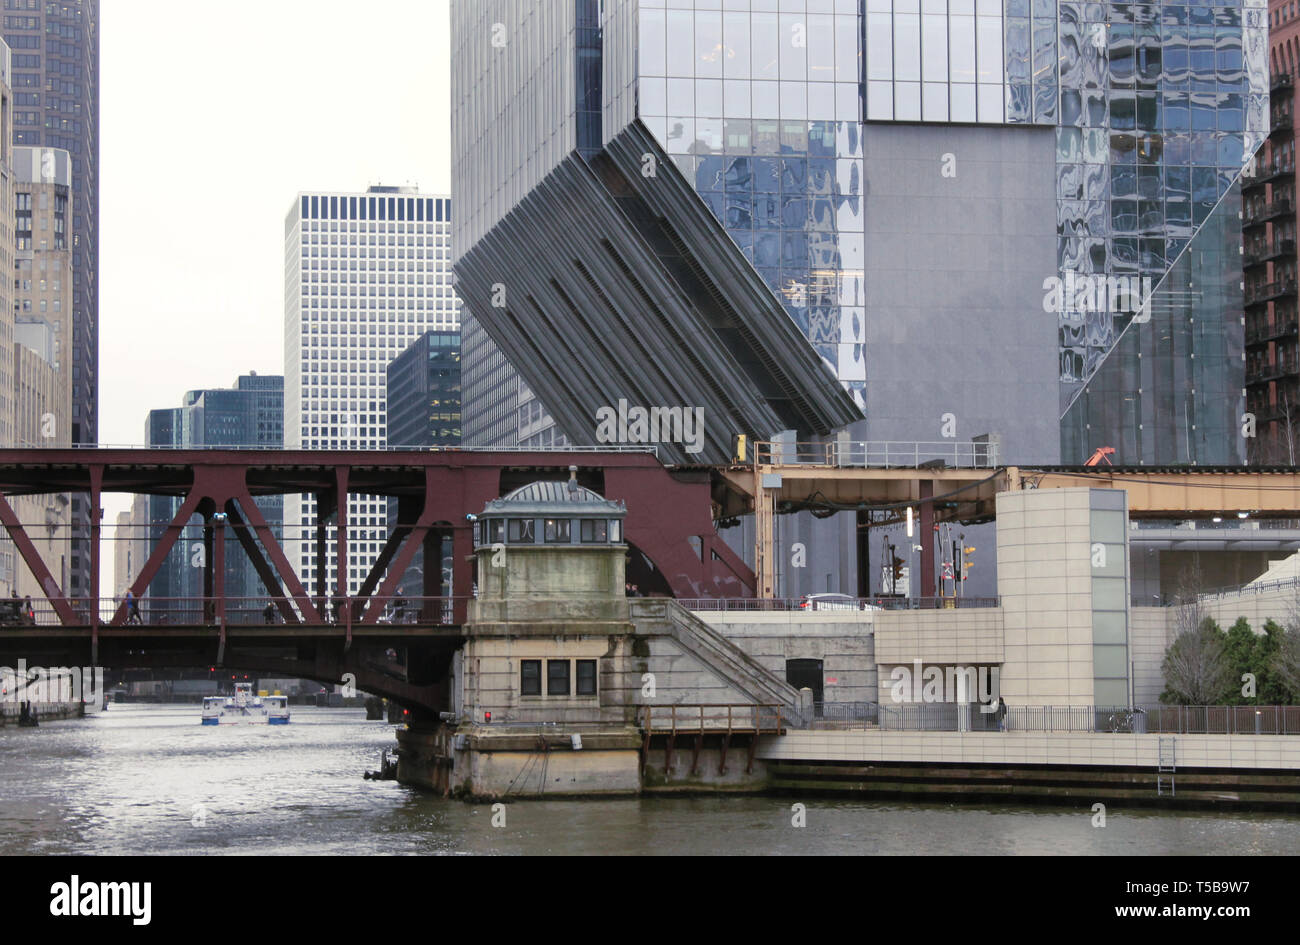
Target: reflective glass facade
{"x":767,"y":108}
{"x":251,"y":413}
{"x":967,"y":61}
{"x":760,"y":111}
{"x":1162,"y":105}
{"x":1156,"y":107}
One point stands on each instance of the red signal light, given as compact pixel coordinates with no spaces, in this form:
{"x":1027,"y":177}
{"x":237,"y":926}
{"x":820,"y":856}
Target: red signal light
{"x":487,"y":716}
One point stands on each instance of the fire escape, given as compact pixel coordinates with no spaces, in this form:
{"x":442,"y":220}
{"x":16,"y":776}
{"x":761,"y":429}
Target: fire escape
{"x":1269,"y":268}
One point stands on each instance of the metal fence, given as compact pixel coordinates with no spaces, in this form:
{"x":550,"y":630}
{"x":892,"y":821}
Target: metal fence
{"x":848,"y":604}
{"x":1218,"y":593}
{"x":1122,"y":720}
{"x":237,"y":611}
{"x":885,"y":454}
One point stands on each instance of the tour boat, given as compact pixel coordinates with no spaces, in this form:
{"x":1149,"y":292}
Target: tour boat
{"x":245,"y":707}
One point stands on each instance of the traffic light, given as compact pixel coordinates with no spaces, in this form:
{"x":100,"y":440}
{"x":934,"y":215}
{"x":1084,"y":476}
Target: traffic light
{"x":966,"y":564}
{"x":898,"y":567}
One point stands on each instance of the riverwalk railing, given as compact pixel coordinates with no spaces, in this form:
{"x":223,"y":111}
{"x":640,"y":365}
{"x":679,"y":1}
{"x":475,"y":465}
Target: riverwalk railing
{"x":850,"y":604}
{"x":1136,"y":720}
{"x":738,"y":718}
{"x":1218,"y":593}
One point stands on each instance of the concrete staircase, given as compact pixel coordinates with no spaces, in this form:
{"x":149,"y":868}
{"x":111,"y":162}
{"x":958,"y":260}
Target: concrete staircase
{"x":722,"y":657}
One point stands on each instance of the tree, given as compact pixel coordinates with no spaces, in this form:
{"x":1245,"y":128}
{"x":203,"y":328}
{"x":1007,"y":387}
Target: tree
{"x":1196,"y":667}
{"x":1190,"y":612}
{"x":1253,"y":653}
{"x":1286,"y":663}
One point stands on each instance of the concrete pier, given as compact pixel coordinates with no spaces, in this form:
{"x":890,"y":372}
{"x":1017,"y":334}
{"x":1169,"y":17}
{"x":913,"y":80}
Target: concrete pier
{"x":44,"y":712}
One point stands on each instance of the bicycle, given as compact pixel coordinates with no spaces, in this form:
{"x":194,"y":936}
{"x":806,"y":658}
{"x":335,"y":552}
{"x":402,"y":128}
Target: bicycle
{"x":1121,"y":721}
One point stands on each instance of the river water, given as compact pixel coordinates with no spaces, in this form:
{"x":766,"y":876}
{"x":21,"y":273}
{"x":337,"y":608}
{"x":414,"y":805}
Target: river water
{"x":148,"y":779}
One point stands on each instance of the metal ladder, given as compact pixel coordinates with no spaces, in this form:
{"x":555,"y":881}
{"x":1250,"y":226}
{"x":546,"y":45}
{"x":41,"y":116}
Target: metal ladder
{"x":1166,"y":764}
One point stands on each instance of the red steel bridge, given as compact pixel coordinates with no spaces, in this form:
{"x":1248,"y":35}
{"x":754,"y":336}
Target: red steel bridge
{"x":313,"y":634}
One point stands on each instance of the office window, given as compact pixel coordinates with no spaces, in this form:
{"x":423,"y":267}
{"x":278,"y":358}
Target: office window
{"x":586,"y":681}
{"x":557,"y":677}
{"x":593,"y":529}
{"x":530,"y":677}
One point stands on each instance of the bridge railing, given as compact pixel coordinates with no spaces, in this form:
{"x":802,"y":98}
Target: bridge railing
{"x":358,"y":447}
{"x":238,"y":611}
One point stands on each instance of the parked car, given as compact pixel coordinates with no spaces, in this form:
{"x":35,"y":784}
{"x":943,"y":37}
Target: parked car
{"x":834,"y":602}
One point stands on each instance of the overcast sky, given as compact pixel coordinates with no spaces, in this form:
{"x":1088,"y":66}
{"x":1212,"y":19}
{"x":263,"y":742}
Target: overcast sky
{"x":212,"y":117}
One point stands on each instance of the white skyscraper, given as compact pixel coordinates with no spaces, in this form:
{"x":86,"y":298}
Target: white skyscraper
{"x":365,"y":274}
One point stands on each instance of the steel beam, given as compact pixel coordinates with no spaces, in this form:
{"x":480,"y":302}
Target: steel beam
{"x":32,"y":557}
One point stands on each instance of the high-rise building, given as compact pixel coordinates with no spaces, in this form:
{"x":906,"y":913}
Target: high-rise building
{"x":124,"y":550}
{"x":55,"y":82}
{"x":424,"y":402}
{"x":249,"y":415}
{"x":9,"y":569}
{"x":43,"y":273}
{"x":905,"y":219}
{"x":424,"y":409}
{"x":366,"y":274}
{"x":7,"y":245}
{"x":1269,"y":216}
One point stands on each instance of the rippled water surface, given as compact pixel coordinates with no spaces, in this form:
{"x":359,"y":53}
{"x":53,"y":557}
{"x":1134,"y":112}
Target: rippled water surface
{"x":150,"y":779}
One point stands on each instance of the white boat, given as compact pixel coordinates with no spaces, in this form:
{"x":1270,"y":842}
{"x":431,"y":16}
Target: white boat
{"x":245,"y":708}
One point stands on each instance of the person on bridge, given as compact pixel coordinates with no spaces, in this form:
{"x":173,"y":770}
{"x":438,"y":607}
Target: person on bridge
{"x":29,"y":612}
{"x":268,"y":612}
{"x":399,"y":607}
{"x":132,"y":608}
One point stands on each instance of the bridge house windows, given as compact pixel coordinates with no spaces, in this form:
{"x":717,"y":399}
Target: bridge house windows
{"x":564,"y":678}
{"x":553,"y":531}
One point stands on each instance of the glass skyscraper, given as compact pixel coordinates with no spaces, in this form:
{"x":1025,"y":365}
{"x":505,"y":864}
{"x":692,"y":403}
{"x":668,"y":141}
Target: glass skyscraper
{"x":904,"y":219}
{"x":249,"y":415}
{"x":424,"y":411}
{"x":769,"y":109}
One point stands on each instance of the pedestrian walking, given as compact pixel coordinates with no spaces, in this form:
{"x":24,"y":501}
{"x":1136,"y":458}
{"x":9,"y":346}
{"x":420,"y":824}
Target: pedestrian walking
{"x":132,"y":608}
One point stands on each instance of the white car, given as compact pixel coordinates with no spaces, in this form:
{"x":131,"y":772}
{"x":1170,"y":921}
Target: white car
{"x":834,"y":602}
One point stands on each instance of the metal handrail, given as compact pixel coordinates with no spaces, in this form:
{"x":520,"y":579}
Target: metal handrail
{"x":368,"y":448}
{"x":1220,"y":592}
{"x":865,"y":604}
{"x":238,"y":611}
{"x":1124,"y":720}
{"x":877,"y":453}
{"x":692,"y":717}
